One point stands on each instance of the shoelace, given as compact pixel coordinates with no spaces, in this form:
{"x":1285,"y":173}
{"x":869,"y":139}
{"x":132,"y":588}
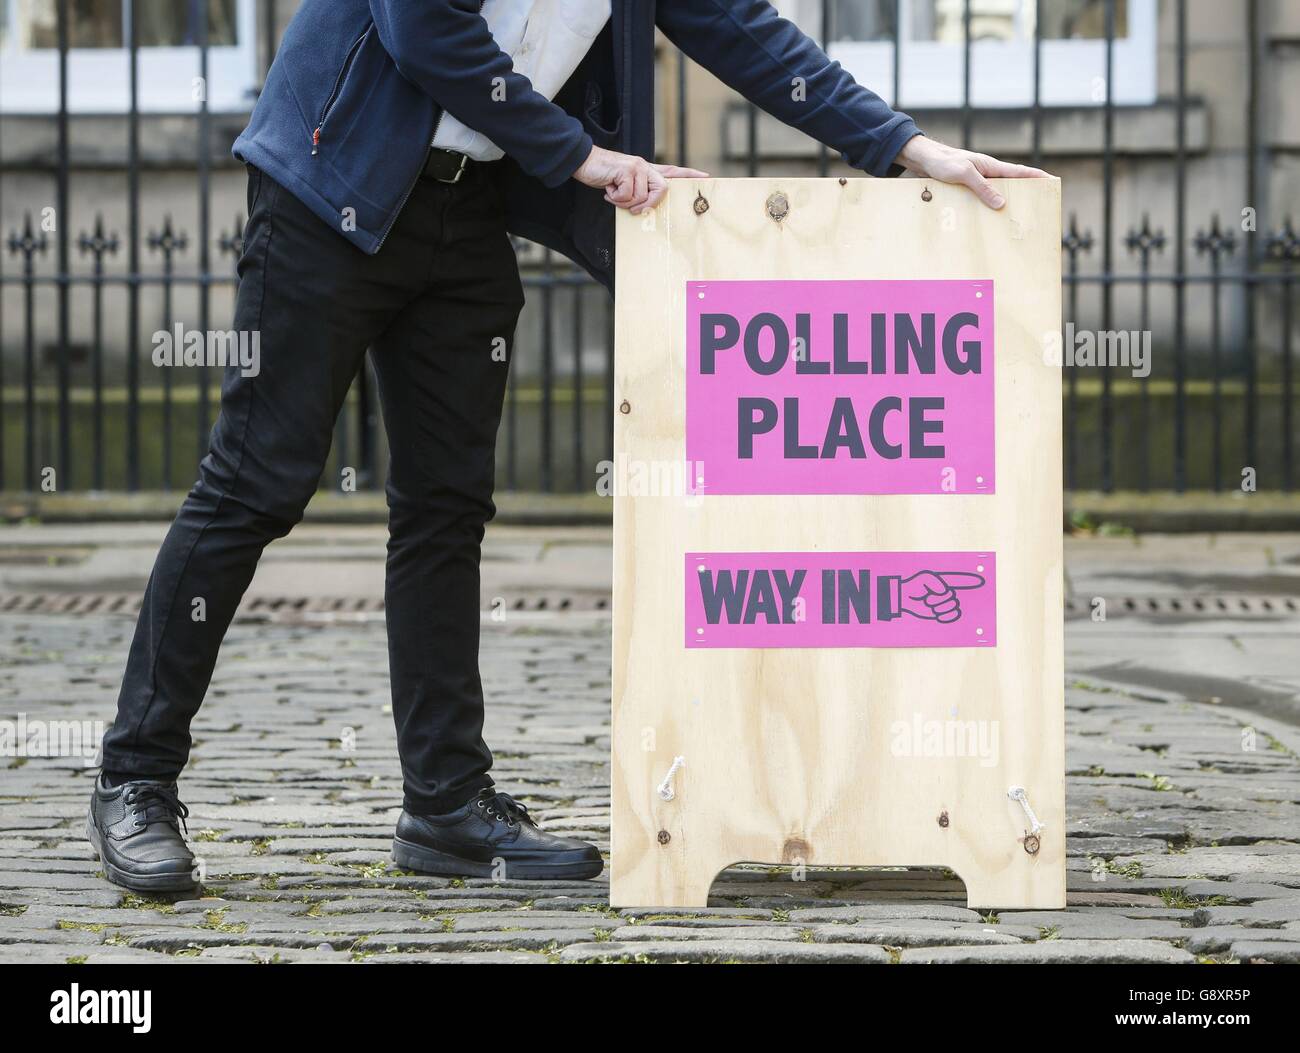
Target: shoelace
{"x":505,"y":808}
{"x":158,"y":803}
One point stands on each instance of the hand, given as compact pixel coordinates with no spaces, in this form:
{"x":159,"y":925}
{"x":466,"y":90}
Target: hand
{"x":925,"y":157}
{"x":630,"y":182}
{"x":934,"y":596}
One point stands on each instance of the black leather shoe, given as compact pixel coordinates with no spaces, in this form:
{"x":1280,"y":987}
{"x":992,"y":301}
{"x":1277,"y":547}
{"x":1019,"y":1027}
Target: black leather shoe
{"x":135,"y":829}
{"x":492,"y":836}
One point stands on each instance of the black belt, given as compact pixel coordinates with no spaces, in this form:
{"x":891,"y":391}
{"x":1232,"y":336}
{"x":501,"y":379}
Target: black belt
{"x":445,"y":166}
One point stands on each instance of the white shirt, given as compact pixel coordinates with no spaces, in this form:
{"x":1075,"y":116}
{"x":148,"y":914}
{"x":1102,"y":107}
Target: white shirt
{"x":546,"y":39}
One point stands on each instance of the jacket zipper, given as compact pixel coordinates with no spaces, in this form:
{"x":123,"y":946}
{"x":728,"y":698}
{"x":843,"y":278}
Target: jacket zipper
{"x":410,"y":189}
{"x":334,"y":94}
{"x":420,"y":171}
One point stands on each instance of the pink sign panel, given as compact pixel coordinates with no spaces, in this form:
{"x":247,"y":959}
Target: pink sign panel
{"x":841,"y":599}
{"x":840,"y":387}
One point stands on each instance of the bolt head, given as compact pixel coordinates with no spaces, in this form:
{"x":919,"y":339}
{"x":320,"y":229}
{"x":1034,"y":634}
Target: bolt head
{"x":778,"y":206}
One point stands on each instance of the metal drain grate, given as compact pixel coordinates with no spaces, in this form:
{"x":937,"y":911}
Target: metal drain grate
{"x":1209,"y":606}
{"x":69,"y":603}
{"x":274,"y":608}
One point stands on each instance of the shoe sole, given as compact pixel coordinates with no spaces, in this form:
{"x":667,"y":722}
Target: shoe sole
{"x":137,"y":882}
{"x":430,"y":861}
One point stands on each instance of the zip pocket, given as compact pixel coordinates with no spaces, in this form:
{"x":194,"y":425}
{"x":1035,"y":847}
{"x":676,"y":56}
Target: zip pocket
{"x":337,"y":89}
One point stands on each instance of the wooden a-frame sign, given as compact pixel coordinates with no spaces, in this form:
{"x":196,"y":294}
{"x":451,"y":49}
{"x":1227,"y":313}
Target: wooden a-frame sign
{"x":838,"y":631}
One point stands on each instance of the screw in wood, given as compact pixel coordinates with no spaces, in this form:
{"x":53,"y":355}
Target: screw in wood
{"x":625,"y":407}
{"x":778,"y":206}
{"x":943,"y":820}
{"x":926,"y":195}
{"x":1031,"y":843}
{"x":701,"y":203}
{"x":664,"y":837}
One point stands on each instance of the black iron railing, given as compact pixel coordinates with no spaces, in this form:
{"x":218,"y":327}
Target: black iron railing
{"x":1222,"y":398}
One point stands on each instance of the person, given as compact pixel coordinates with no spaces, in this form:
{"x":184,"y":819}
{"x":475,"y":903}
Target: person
{"x":396,"y":145}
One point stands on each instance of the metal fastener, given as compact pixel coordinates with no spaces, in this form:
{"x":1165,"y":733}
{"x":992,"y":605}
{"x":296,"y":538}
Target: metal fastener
{"x":625,"y":407}
{"x":943,"y":820}
{"x":1031,"y":843}
{"x":701,"y":203}
{"x":926,"y":195}
{"x":778,"y":206}
{"x":664,"y":837}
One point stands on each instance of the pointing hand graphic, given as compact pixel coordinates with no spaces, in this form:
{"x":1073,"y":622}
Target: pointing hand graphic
{"x":930,"y":594}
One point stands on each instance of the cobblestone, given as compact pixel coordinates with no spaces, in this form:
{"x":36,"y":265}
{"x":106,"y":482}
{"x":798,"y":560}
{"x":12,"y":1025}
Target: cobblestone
{"x":1182,"y":845}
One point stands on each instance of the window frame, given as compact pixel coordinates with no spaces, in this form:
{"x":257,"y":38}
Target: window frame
{"x":1072,"y":72}
{"x":99,"y":79}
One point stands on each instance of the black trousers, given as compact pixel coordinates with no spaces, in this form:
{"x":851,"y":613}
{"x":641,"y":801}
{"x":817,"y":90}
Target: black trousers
{"x":437,"y":306}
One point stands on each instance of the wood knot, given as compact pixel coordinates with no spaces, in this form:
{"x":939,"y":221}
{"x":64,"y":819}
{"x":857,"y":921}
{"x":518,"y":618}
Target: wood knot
{"x":796,"y":850}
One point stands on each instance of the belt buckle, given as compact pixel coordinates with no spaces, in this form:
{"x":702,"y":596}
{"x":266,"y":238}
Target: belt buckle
{"x":464,"y":161}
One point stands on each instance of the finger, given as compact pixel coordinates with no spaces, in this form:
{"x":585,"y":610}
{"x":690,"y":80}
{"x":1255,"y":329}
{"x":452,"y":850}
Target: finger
{"x":677,"y":172}
{"x":961,"y":579}
{"x":946,"y":607}
{"x":640,"y":187}
{"x":951,"y":616}
{"x":937,"y":599}
{"x":1027,"y":172}
{"x":619,"y":190}
{"x":629,"y":195}
{"x":658,"y":188}
{"x":972,"y":178}
{"x":996,"y":169}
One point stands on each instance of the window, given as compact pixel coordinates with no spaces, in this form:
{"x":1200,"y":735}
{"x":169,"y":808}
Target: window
{"x":168,"y":33}
{"x":1073,"y":69}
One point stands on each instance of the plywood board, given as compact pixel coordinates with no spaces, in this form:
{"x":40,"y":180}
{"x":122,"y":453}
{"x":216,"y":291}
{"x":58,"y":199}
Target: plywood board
{"x":865,"y":750}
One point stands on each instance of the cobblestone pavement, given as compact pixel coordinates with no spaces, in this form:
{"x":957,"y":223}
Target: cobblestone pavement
{"x":1183,"y":840}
